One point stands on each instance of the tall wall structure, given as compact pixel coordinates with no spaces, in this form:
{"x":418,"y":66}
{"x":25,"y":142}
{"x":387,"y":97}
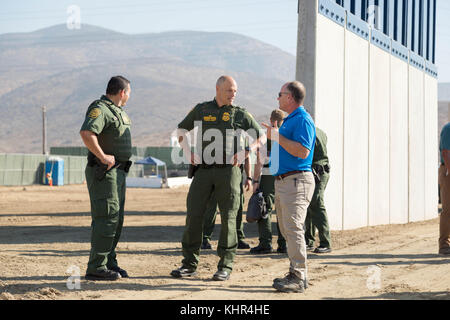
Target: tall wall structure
{"x":368,"y":67}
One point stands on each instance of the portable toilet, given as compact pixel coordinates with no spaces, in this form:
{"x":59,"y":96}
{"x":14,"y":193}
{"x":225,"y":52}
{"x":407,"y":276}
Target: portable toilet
{"x":54,"y":171}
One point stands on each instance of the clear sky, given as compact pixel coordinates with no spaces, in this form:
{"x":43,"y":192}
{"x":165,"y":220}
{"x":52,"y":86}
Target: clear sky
{"x":272,"y":21}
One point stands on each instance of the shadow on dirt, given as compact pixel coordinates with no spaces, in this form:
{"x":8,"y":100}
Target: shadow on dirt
{"x":380,"y":259}
{"x":440,"y":295}
{"x":64,"y":234}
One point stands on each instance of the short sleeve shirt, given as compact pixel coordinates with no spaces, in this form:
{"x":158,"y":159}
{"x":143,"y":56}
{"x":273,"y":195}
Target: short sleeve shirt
{"x":112,"y":126}
{"x":445,"y":140}
{"x":298,"y":127}
{"x":320,"y":156}
{"x":228,"y":121}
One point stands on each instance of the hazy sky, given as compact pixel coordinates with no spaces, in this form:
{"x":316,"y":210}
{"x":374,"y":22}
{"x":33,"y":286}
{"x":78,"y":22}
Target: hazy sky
{"x":272,"y":21}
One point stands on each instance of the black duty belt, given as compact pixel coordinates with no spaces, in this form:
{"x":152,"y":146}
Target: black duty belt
{"x":121,"y":165}
{"x":215,"y":165}
{"x":321,"y":169}
{"x":287,"y":174}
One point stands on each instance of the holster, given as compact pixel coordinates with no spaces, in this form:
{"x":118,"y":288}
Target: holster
{"x":318,"y":170}
{"x":192,"y":170}
{"x":101,"y":169}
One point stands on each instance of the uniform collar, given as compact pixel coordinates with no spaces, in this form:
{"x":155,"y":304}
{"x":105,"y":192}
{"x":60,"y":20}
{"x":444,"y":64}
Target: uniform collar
{"x":107,"y":100}
{"x":224,"y":106}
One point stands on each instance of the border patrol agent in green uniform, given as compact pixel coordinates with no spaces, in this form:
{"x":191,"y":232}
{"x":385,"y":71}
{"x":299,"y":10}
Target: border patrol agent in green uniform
{"x":265,"y":182}
{"x":316,"y":217}
{"x":106,"y":133}
{"x":222,"y":178}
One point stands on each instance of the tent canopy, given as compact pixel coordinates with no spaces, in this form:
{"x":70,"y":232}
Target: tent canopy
{"x":151,"y":161}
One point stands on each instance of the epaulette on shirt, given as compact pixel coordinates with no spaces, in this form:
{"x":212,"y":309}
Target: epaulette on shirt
{"x":100,"y":104}
{"x":201,"y":105}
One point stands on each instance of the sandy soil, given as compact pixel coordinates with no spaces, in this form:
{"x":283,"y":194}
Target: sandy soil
{"x":45,"y":238}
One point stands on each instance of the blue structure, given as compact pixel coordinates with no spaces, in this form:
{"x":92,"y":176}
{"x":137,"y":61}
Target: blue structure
{"x":404,"y":28}
{"x":409,"y":22}
{"x":54,"y":171}
{"x":154,"y":162}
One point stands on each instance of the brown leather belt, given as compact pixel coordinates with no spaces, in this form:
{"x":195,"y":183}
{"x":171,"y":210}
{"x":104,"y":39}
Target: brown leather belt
{"x":287,"y":174}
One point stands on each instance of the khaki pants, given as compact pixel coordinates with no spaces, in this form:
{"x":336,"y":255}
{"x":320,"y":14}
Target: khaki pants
{"x":292,"y":197}
{"x":444,"y":225}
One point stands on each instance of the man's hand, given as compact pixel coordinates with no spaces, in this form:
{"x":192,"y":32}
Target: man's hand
{"x":109,"y":160}
{"x":272,"y":132}
{"x":255,"y":187}
{"x":91,"y":141}
{"x":248,"y":184}
{"x":195,"y":159}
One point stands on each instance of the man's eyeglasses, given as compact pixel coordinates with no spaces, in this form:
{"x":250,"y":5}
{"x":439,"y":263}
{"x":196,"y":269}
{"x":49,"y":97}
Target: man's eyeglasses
{"x":281,"y":93}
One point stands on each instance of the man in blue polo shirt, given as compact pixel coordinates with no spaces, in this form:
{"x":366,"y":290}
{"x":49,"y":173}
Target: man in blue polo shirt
{"x":291,"y":159}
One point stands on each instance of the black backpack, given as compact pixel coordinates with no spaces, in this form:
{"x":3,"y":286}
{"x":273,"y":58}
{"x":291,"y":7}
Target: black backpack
{"x":257,"y":208}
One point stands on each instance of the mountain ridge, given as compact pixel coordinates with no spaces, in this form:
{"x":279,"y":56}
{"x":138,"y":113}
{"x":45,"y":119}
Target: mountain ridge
{"x":170,"y":73}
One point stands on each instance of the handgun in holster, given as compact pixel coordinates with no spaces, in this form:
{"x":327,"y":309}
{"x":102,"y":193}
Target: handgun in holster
{"x":192,"y":170}
{"x":101,"y":169}
{"x":316,"y":175}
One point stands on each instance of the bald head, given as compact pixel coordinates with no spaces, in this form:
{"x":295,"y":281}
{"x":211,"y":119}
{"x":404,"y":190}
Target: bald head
{"x":226,"y":89}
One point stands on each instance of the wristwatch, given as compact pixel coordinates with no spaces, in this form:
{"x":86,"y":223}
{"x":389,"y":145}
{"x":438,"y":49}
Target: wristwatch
{"x":249,"y":178}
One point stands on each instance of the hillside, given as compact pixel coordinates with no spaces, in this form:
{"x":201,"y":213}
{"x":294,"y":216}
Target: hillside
{"x":170,"y":72}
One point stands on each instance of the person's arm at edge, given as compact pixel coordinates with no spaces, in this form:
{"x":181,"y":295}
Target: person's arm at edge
{"x":90,"y":139}
{"x":446,"y":157}
{"x":292,"y":147}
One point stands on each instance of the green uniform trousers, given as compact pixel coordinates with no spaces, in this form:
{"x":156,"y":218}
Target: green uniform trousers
{"x":107,"y":211}
{"x":225,"y":183}
{"x":211,"y":213}
{"x":316,"y":217}
{"x":267,"y":186}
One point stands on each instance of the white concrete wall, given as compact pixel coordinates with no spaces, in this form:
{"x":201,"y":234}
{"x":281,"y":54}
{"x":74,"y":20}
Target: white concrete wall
{"x":356,"y":132}
{"x":431,"y":146}
{"x":328,"y":115}
{"x":416,"y":146}
{"x":399,"y":142}
{"x":379,"y":136}
{"x":380,"y":115}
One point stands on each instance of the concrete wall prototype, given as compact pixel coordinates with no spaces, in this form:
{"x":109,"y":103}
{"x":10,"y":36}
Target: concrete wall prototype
{"x":431,"y":146}
{"x":399,"y":142}
{"x":377,"y":102}
{"x":356,"y":130}
{"x":329,"y":107}
{"x":379,"y":134}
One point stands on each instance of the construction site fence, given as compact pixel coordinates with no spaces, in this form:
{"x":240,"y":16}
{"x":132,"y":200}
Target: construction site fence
{"x":28,"y":169}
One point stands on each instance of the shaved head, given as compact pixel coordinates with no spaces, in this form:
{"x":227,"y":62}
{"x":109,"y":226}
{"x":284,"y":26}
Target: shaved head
{"x":224,"y":79}
{"x":226,"y":89}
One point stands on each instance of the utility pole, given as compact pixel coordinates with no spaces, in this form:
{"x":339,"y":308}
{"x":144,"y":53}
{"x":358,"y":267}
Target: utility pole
{"x":44,"y":130}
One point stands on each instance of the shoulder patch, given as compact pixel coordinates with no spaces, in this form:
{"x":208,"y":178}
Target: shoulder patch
{"x":95,"y":113}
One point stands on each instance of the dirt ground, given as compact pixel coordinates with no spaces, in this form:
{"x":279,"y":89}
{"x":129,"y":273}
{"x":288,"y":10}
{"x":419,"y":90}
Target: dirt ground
{"x":45,"y":238}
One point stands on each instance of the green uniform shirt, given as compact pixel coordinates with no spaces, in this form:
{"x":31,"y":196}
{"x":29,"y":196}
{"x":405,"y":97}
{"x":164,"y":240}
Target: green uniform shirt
{"x":227,"y":120}
{"x":320,"y":151}
{"x":112,"y":126}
